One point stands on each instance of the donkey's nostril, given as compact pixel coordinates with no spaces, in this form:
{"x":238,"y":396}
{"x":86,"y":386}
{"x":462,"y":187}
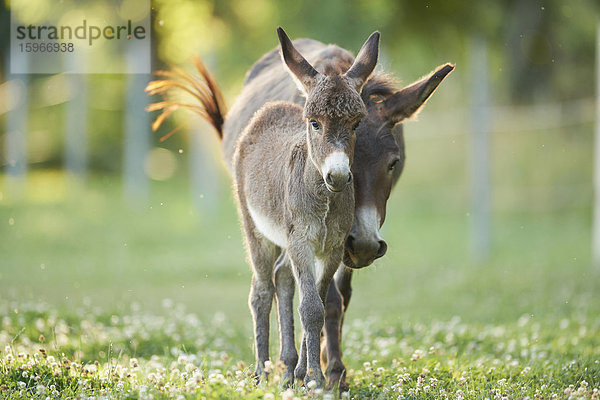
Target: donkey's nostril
{"x":349,"y":243}
{"x":349,"y":177}
{"x":382,"y":249}
{"x":329,"y":179}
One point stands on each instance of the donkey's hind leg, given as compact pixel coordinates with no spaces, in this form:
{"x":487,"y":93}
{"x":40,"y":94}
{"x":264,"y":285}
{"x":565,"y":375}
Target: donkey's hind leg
{"x":284,"y":288}
{"x":300,"y":371}
{"x":262,"y":254}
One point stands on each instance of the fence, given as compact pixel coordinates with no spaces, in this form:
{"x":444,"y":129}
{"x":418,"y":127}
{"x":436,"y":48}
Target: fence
{"x":485,"y":120}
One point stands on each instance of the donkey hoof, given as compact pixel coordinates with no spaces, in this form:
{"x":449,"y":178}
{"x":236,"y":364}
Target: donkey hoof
{"x":300,"y":373}
{"x":287,"y":379}
{"x":337,"y":379}
{"x":337,"y":376}
{"x":313,"y":381}
{"x":260,"y":375}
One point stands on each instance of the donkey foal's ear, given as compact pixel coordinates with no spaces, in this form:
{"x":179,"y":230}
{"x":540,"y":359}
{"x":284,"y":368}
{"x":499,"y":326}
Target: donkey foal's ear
{"x":365,"y":62}
{"x":302,"y":72}
{"x":407,"y":102}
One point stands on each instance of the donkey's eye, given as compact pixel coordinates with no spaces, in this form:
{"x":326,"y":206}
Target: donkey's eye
{"x":376,"y":98}
{"x":316,"y":126}
{"x":393,"y":165}
{"x":355,"y":126}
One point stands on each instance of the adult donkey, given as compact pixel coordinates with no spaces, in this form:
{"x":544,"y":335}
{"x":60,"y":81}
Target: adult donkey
{"x":378,"y":160}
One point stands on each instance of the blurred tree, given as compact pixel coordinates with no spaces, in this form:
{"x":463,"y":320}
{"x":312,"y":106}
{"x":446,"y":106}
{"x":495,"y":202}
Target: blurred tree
{"x":539,"y":50}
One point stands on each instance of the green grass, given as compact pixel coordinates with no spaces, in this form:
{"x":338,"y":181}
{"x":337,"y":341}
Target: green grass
{"x":85,"y":276}
{"x":133,"y":354}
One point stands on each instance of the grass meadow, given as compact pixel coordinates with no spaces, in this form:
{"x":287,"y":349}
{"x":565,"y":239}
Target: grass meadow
{"x":102,"y":299}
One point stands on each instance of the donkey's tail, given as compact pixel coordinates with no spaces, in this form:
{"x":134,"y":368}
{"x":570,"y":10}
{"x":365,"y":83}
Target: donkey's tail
{"x":203,"y":88}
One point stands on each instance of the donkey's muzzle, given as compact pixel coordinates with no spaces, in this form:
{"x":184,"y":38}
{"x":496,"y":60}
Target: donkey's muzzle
{"x":362,"y":253}
{"x":336,"y":182}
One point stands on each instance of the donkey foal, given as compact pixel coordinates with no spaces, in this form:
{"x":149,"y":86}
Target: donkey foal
{"x":292,"y":178}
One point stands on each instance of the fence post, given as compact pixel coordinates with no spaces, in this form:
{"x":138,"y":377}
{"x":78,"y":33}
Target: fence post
{"x":596,"y":223}
{"x":16,"y":130}
{"x":76,"y":128}
{"x":480,"y":152}
{"x":137,"y":140}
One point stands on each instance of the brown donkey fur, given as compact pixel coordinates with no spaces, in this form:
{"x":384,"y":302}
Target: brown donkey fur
{"x":378,"y":162}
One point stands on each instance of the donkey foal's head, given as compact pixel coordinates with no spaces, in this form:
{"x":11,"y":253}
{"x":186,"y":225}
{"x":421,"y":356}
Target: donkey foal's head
{"x":333,"y":109}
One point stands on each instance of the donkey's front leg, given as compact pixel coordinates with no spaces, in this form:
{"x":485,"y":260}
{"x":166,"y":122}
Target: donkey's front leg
{"x":284,"y":288}
{"x":336,"y":304}
{"x":336,"y":371}
{"x":311,"y":310}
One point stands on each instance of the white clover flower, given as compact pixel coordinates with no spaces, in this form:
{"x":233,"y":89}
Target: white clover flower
{"x":268,"y":366}
{"x":417,"y":355}
{"x":287,"y":395}
{"x":311,"y":385}
{"x":269,"y":396}
{"x":189,"y":368}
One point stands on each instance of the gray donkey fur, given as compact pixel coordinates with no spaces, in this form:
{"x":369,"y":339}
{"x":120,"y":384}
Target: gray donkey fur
{"x":291,"y":170}
{"x":378,"y":163}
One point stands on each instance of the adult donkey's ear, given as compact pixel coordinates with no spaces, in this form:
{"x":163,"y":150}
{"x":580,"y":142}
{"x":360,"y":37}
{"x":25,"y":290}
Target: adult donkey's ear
{"x":302,"y":72}
{"x":407,"y":102}
{"x":365,"y":62}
